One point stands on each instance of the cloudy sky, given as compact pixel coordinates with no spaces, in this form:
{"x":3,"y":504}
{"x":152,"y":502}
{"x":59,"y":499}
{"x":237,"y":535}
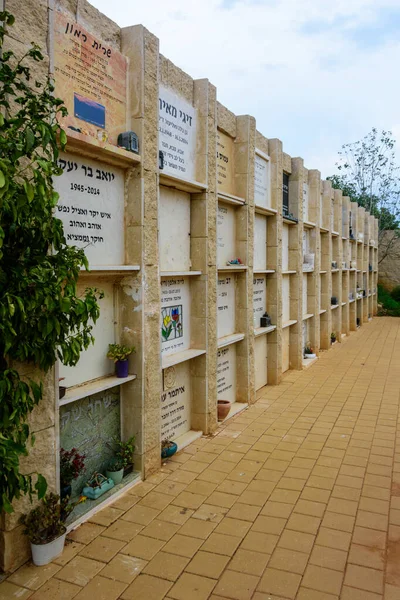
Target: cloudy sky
{"x":314,"y":73}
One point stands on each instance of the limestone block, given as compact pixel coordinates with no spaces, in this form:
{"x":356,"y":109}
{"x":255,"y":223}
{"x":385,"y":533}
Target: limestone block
{"x":198,"y":216}
{"x":30,"y":22}
{"x":198,"y":332}
{"x":241,"y":158}
{"x":198,"y":248}
{"x":199,"y":299}
{"x":133,"y":198}
{"x":187,"y":87}
{"x":14,"y":549}
{"x":39,"y":70}
{"x":152,"y":460}
{"x":174,"y":77}
{"x":43,"y":415}
{"x":70,"y":6}
{"x":287,"y":163}
{"x":152,"y":428}
{"x":261,"y":142}
{"x":99,"y":25}
{"x":151,"y":53}
{"x":133,"y":241}
{"x":150,"y":253}
{"x":41,"y":459}
{"x":226,"y":120}
{"x":163,"y":69}
{"x":150,"y":189}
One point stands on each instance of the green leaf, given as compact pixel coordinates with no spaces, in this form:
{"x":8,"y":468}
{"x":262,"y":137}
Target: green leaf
{"x":41,"y":486}
{"x":63,"y":137}
{"x":2,"y":179}
{"x":29,"y":190}
{"x":6,"y":504}
{"x":29,"y":139}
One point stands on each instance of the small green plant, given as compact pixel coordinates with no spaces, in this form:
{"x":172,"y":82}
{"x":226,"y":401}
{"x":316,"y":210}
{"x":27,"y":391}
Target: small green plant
{"x":116,"y":464}
{"x":166,"y":444}
{"x":308,"y":349}
{"x":395,"y":293}
{"x":72,"y":464}
{"x":123,"y":451}
{"x":117,"y":352}
{"x":46,"y":522}
{"x":333,"y":337}
{"x":389,"y":306}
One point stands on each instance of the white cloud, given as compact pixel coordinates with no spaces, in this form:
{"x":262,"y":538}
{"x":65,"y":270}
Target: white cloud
{"x":316,"y":74}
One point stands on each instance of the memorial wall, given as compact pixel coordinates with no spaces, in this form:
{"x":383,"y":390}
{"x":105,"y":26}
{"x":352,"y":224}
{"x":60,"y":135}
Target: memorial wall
{"x":214,"y":249}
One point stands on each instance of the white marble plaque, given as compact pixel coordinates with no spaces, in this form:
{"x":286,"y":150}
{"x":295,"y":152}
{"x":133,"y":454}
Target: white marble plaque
{"x":260,"y":242}
{"x":91,"y":207}
{"x":174,"y":235}
{"x":175,"y":315}
{"x":262,"y":182}
{"x":176,"y":401}
{"x":305,"y":201}
{"x":226,"y":374}
{"x":226,"y":234}
{"x":177,"y":134}
{"x":225,"y":164}
{"x":260,"y":357}
{"x":259,"y":298}
{"x":226,"y":306}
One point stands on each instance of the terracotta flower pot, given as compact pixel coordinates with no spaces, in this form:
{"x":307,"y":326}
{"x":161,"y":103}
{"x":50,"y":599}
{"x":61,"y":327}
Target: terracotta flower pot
{"x":224,"y":406}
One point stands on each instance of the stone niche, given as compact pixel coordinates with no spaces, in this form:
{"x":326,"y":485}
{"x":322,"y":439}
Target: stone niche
{"x":226,"y":305}
{"x":175,"y":315}
{"x":262,"y":182}
{"x":225,"y":164}
{"x":226,"y":373}
{"x":174,"y":236}
{"x":260,"y":242}
{"x":226,"y":234}
{"x":259,"y":298}
{"x":176,"y":401}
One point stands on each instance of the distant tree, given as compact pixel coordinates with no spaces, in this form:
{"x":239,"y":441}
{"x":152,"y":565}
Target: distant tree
{"x":369,"y":175}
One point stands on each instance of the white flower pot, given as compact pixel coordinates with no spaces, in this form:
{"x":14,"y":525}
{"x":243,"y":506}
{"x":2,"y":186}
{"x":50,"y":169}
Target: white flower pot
{"x":310,"y":356}
{"x":43,"y":554}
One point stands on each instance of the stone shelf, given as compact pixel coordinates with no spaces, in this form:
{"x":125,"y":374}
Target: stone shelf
{"x":307,"y":270}
{"x":185,"y":439}
{"x":180,"y":273}
{"x":307,"y":316}
{"x":263,"y":272}
{"x":227,"y":340}
{"x":344,"y":303}
{"x":185,"y":185}
{"x":321,"y":312}
{"x":323,"y":229}
{"x":308,"y":224}
{"x":344,"y":238}
{"x":86,"y":145}
{"x":335,"y":233}
{"x":353,"y":300}
{"x":236,"y":408}
{"x":322,"y":272}
{"x":333,"y":306}
{"x":231,"y":199}
{"x":110,"y":269}
{"x":335,"y":270}
{"x":262,"y":210}
{"x":263,"y":330}
{"x":289,"y":323}
{"x":89,"y":388}
{"x":232,"y":268}
{"x":289,"y":272}
{"x":179,"y":357}
{"x":307,"y":362}
{"x":290,"y":221}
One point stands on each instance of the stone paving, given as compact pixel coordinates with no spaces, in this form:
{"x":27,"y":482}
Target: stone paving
{"x":298,"y":497}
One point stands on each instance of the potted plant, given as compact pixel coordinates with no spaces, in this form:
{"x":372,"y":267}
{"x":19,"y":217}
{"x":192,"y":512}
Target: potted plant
{"x":97,"y":485}
{"x":72,"y":464}
{"x":119,"y":354}
{"x":124,"y":454}
{"x":115,"y":470}
{"x":308,"y":351}
{"x":61,"y":389}
{"x":224,"y":406}
{"x":45,"y":528}
{"x":168,"y":448}
{"x":333,"y":337}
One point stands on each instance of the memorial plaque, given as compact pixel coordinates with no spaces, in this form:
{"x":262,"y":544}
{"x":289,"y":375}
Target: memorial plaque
{"x":176,"y":401}
{"x":259,"y":298}
{"x":174,"y":222}
{"x":226,"y":233}
{"x":90,"y":425}
{"x":226,"y":374}
{"x":262,"y":182}
{"x":175,"y":315}
{"x":91,"y":207}
{"x":225,"y":164}
{"x":226,"y":306}
{"x":90,"y":77}
{"x":260,"y":357}
{"x":260,"y":242}
{"x":177,"y":135}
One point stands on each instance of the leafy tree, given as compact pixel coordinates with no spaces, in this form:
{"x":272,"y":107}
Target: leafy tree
{"x":41,"y":317}
{"x":369,"y":175}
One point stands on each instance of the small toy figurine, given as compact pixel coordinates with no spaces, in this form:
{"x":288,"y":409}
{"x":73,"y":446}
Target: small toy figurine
{"x":234,"y":261}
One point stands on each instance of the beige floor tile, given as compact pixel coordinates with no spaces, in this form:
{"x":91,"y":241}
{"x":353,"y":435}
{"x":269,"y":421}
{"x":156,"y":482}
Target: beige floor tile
{"x":219,"y":543}
{"x":234,"y":527}
{"x":86,"y":533}
{"x":143,"y":547}
{"x":367,"y":556}
{"x":175,"y":514}
{"x":10,"y":591}
{"x":330,"y":558}
{"x":54,"y":589}
{"x":71,"y":549}
{"x":166,"y":566}
{"x":80,"y":570}
{"x":372,"y":520}
{"x":322,"y":579}
{"x":364,"y":578}
{"x":102,"y":549}
{"x":289,"y":560}
{"x":125,"y":502}
{"x":156,"y":500}
{"x":333,"y":538}
{"x":296,"y":540}
{"x":197,"y":528}
{"x":209,"y":512}
{"x":260,"y":542}
{"x":191,"y":586}
{"x":33,"y":577}
{"x":338,"y":521}
{"x":369,"y":537}
{"x":391,"y":592}
{"x":101,"y":588}
{"x":238,"y":586}
{"x":303,"y":523}
{"x":123,"y":568}
{"x":183,"y":545}
{"x":243,"y":512}
{"x":122,"y":530}
{"x":307,"y":594}
{"x":207,"y":564}
{"x":106,"y":516}
{"x":349,"y":593}
{"x":146,"y":587}
{"x":142,"y":515}
{"x":160,"y":530}
{"x":231,"y":487}
{"x":264,"y":524}
{"x":281,"y":583}
{"x":308,"y":507}
{"x":249,"y":561}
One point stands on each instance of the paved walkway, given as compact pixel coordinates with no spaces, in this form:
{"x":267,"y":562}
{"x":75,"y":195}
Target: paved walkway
{"x":298,"y":497}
